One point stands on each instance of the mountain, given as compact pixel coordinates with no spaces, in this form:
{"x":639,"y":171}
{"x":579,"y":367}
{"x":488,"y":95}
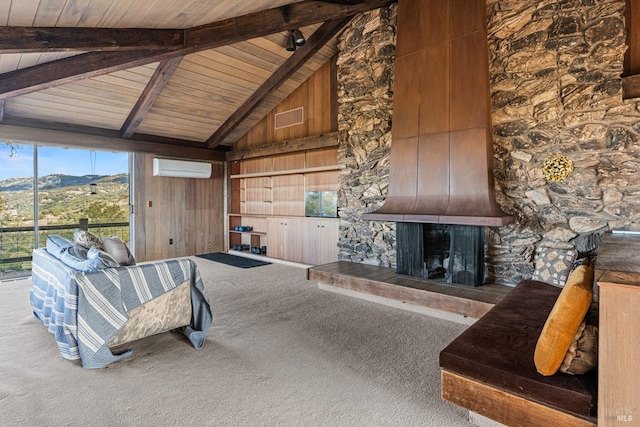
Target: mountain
{"x":62,"y":199}
{"x":57,"y":181}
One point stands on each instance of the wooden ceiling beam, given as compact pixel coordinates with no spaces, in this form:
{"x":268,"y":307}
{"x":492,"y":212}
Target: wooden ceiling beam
{"x":270,"y":21}
{"x":315,"y":42}
{"x":221,"y":33}
{"x":347,"y":2}
{"x":13,"y":134}
{"x":60,"y":39}
{"x":72,"y":69}
{"x":149,"y":95}
{"x":94,"y":131}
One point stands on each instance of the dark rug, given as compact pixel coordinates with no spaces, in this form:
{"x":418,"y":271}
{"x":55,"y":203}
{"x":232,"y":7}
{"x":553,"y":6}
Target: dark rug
{"x":236,"y":261}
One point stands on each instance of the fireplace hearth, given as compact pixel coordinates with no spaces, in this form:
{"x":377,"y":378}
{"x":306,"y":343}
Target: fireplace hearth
{"x":444,"y":252}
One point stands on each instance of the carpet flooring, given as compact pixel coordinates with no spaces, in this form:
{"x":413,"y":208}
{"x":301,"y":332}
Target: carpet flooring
{"x":281,"y":352}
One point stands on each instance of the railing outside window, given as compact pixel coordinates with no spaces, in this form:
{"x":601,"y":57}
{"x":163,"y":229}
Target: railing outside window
{"x":17,"y":243}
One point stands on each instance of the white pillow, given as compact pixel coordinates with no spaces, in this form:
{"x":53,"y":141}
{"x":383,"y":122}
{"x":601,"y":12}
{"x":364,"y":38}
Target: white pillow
{"x":105,"y":260}
{"x":118,"y":250}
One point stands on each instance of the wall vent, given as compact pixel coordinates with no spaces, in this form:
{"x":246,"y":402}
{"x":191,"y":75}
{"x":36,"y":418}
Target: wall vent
{"x":289,"y":118}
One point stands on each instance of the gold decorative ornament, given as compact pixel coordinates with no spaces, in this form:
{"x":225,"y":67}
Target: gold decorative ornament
{"x":557,"y":167}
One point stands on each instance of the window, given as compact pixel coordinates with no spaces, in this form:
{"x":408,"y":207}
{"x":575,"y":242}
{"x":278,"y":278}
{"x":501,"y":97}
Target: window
{"x":64,"y":198}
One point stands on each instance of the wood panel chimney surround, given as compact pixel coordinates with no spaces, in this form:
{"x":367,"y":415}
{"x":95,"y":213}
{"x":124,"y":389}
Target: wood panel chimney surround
{"x":441,"y":162}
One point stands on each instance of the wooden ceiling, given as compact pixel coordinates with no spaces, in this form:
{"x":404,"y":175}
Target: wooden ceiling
{"x":176,"y":78}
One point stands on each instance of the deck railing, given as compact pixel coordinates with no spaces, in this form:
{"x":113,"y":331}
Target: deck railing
{"x":17,"y":243}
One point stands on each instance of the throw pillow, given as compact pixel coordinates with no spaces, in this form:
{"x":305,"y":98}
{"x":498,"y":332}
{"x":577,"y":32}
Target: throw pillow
{"x":553,"y":265}
{"x":86,"y":239}
{"x":81,"y":264}
{"x":79,"y":251}
{"x":564,"y":321}
{"x":106,"y":260}
{"x":582,"y":355}
{"x":118,"y":250}
{"x":57,"y":245}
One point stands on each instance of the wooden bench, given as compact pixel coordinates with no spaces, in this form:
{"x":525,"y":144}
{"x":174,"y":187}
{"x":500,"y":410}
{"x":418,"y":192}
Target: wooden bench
{"x":489,"y":368}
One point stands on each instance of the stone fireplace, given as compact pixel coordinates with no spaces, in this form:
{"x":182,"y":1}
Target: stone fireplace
{"x":598,"y":130}
{"x":441,"y":183}
{"x":448,"y":253}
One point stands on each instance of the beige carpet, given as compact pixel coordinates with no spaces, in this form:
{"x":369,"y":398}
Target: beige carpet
{"x":281,"y":352}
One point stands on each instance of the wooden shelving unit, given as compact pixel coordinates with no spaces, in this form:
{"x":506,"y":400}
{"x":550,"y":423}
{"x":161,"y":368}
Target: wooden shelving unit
{"x":257,"y":237}
{"x":267,"y":194}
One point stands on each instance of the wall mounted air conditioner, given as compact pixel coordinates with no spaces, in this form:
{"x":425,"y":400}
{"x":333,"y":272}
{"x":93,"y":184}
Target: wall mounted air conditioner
{"x":181,"y":168}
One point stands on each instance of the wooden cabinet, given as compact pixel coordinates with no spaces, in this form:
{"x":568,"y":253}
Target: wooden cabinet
{"x":307,"y":240}
{"x":321,"y":241}
{"x":618,"y":277}
{"x":268,"y":195}
{"x":285,"y":238}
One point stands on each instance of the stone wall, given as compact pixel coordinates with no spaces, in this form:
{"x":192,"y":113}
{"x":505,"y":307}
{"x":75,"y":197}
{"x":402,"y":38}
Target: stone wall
{"x":365,"y":103}
{"x":556,"y":87}
{"x":555,"y":84}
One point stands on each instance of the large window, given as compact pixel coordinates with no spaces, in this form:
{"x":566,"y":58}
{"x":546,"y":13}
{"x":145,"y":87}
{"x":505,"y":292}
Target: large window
{"x":73,"y":186}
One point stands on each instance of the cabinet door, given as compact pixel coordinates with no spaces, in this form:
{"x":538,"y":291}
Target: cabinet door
{"x":285,"y":238}
{"x":321,"y":241}
{"x":276,"y":238}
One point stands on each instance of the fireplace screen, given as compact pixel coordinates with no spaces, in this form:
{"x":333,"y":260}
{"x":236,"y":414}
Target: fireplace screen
{"x":454,"y":253}
{"x":444,"y":252}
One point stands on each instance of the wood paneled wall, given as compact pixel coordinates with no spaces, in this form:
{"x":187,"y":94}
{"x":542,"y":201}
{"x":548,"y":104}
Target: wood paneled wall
{"x":317,"y":96}
{"x":187,"y":211}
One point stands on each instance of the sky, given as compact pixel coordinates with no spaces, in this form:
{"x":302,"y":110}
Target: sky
{"x":54,"y":160}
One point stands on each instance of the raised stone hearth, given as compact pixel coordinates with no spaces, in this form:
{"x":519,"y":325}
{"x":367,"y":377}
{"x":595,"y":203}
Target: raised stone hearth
{"x":385,"y":283}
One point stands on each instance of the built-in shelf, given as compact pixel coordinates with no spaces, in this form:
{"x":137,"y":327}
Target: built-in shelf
{"x":259,"y":233}
{"x":268,"y":194}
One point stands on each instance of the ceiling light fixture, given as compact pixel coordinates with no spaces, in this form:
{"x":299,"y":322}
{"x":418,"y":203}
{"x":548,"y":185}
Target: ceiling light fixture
{"x":291,"y":42}
{"x":294,"y":39}
{"x":298,"y":37}
{"x":93,"y":186}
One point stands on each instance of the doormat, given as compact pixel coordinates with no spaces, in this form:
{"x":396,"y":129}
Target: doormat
{"x":236,"y":261}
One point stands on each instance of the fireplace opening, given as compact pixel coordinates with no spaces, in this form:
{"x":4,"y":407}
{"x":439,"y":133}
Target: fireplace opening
{"x":443,"y":252}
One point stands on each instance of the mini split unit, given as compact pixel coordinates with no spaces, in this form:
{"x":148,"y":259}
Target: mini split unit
{"x":181,"y":168}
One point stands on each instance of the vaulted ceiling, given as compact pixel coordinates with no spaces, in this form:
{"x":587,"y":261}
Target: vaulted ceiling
{"x":178,"y":78}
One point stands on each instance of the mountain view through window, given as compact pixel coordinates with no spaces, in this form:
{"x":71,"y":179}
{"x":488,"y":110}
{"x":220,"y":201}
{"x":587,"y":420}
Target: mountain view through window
{"x":65,"y":196}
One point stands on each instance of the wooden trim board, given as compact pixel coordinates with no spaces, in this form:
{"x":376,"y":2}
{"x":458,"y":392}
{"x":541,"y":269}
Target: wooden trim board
{"x":504,"y":407}
{"x":293,"y":146}
{"x":288,"y":172}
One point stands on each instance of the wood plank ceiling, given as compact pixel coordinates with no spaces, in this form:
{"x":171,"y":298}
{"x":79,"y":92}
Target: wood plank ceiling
{"x":180,"y":78}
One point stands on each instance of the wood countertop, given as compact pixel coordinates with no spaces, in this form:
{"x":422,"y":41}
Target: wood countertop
{"x":618,"y":260}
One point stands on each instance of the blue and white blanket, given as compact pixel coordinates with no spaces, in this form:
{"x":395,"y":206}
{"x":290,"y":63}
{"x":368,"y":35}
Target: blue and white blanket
{"x":85,"y":310}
